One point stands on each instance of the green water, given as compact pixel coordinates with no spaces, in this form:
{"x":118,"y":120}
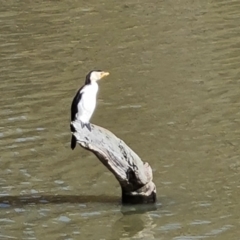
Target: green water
{"x":173,"y":96}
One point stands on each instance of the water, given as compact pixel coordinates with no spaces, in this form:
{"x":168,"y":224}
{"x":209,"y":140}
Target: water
{"x":173,"y":96}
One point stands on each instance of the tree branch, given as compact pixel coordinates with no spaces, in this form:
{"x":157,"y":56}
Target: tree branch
{"x":134,"y":176}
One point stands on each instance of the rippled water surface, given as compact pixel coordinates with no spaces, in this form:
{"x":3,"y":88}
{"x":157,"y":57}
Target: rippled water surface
{"x":173,"y":96}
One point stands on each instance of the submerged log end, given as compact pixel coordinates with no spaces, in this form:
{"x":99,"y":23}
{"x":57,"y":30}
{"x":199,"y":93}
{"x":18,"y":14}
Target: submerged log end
{"x":146,"y":195}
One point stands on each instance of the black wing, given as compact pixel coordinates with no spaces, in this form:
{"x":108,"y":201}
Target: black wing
{"x":74,"y":110}
{"x":74,"y":107}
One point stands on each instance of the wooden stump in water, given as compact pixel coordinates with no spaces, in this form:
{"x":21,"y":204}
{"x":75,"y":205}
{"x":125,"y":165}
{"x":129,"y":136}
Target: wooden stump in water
{"x":134,"y":176}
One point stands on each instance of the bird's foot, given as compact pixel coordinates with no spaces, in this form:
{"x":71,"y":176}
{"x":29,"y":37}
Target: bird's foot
{"x":88,"y":126}
{"x":82,"y":124}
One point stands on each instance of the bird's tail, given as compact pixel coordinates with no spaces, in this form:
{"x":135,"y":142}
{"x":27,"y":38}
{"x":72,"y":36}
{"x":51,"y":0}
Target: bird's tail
{"x":73,"y":142}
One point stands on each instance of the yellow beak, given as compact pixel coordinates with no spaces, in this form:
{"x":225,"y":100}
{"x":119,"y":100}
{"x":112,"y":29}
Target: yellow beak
{"x":104,"y":74}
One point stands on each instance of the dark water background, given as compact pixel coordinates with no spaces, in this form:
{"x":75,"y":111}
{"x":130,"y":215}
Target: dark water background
{"x":173,"y":96}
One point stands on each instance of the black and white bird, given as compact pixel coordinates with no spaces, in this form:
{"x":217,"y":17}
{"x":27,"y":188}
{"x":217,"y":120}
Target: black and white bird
{"x":84,"y":102}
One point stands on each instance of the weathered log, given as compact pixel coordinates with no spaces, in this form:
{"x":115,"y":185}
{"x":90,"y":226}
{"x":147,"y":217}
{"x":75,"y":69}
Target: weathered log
{"x":134,"y":176}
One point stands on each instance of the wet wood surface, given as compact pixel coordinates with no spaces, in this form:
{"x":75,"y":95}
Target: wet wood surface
{"x":134,"y":176}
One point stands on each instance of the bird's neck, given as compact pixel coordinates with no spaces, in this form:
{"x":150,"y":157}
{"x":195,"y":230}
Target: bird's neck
{"x":94,"y":86}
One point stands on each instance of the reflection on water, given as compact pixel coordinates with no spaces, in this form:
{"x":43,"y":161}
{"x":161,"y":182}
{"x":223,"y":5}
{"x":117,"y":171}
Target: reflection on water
{"x":137,"y":226}
{"x":172,"y":96}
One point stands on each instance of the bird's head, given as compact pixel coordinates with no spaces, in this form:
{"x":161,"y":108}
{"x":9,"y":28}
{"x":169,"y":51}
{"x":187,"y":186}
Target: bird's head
{"x":95,"y":75}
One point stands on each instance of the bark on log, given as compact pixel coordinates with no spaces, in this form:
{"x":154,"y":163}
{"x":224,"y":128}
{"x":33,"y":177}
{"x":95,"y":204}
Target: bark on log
{"x":134,"y":176}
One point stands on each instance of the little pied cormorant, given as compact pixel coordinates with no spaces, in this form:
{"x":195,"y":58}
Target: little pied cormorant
{"x":84,"y":102}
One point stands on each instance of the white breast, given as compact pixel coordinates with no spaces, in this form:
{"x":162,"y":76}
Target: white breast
{"x":87,"y":104}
